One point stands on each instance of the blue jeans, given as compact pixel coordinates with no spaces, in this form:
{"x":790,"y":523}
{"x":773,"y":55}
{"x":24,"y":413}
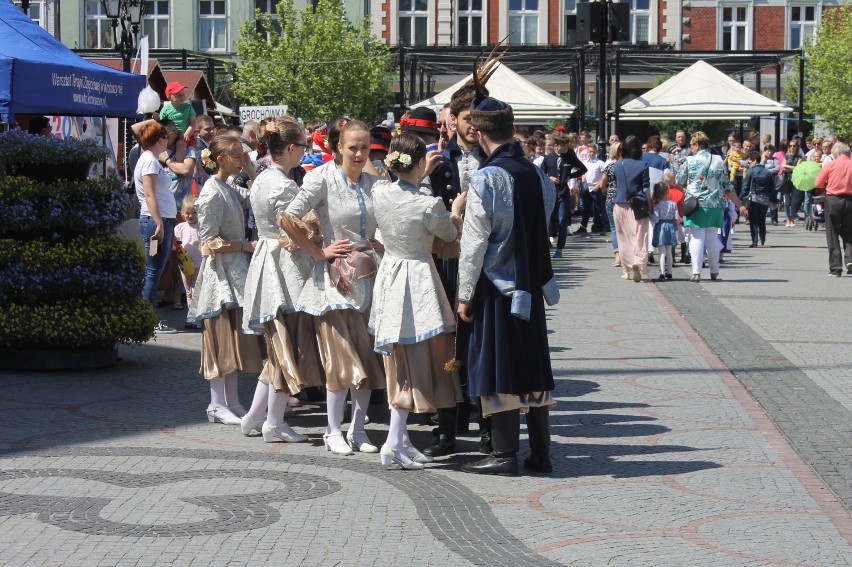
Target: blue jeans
{"x":563,"y":207}
{"x":609,"y":214}
{"x":155,"y":264}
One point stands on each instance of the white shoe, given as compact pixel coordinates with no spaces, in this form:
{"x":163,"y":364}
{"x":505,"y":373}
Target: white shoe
{"x":294,"y":402}
{"x":238,"y":410}
{"x":388,"y":456}
{"x":416,"y":455}
{"x":335,"y":443}
{"x":359,"y":441}
{"x":247,"y":425}
{"x":284,"y":432}
{"x":220,"y":414}
{"x":163,"y":329}
{"x":553,"y":241}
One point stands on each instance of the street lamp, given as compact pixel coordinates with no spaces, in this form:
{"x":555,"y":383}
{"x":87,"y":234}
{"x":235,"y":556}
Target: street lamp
{"x":128,"y":14}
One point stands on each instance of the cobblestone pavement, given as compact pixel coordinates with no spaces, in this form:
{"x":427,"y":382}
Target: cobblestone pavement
{"x":661,"y":454}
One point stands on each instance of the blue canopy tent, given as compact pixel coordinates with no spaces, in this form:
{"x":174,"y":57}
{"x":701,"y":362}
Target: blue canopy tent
{"x":39,"y":75}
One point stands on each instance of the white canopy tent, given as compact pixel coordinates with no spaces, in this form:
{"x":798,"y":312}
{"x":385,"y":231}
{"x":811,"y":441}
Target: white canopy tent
{"x":531,"y":104}
{"x":700,"y":92}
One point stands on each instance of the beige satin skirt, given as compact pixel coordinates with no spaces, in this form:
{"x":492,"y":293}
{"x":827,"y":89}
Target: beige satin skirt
{"x":225,"y":349}
{"x":417,"y":380}
{"x":293,"y":361}
{"x":496,"y":403}
{"x":346,"y":351}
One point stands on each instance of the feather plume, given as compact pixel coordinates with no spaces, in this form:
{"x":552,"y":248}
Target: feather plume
{"x":482,"y":71}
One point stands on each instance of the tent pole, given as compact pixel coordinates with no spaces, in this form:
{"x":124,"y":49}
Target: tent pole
{"x":778,"y":99}
{"x":616,"y":125}
{"x":582,"y":90}
{"x":801,"y":125}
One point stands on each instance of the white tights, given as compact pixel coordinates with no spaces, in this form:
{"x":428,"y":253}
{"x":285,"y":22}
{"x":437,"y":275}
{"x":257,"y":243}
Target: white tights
{"x":397,"y":430}
{"x":224,"y":393}
{"x":267,"y":400}
{"x":666,"y":259}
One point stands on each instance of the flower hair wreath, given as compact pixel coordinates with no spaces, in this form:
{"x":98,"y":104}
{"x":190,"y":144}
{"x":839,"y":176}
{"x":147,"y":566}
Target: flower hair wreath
{"x":271,"y":127}
{"x":396,"y":157}
{"x":208,"y":164}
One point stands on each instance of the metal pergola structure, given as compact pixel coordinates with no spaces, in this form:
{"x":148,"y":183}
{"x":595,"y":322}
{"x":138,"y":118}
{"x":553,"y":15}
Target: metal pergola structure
{"x":418,"y":66}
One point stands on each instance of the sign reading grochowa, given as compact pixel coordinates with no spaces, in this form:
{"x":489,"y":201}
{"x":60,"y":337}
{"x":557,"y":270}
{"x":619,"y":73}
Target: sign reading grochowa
{"x":260,"y":112}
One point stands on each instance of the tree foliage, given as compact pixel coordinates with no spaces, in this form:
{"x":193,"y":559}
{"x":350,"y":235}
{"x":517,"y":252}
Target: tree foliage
{"x":317,"y":62}
{"x":828,"y":71}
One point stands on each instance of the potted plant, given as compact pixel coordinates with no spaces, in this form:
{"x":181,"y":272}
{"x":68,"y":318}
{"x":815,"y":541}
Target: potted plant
{"x":48,"y":158}
{"x":70,"y":288}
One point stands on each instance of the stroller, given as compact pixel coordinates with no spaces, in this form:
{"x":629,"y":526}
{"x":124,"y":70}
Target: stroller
{"x":817,"y":214}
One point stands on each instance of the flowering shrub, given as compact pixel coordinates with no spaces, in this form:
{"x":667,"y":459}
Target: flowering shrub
{"x":74,"y":323}
{"x":20,"y":150}
{"x":60,"y":209}
{"x":37,"y":271}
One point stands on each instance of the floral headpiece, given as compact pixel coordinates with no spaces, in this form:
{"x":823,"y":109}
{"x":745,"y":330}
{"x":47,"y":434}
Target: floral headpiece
{"x":208,"y":164}
{"x":396,"y":157}
{"x":271,"y":127}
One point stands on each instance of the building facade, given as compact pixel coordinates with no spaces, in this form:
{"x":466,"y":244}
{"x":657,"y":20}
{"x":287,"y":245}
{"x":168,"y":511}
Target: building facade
{"x":212,"y":26}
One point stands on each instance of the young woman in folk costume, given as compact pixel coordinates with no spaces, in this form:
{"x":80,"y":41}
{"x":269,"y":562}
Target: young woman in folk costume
{"x":342,"y":198}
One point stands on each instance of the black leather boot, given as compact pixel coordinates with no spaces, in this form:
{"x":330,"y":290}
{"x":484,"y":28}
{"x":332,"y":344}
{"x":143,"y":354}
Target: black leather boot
{"x":538,"y":426}
{"x":463,"y":418}
{"x":505,"y":439}
{"x":446,"y":432}
{"x":485,"y":435}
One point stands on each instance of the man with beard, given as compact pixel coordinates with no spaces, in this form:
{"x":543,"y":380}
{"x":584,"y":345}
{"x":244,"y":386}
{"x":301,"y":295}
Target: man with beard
{"x":462,"y":157}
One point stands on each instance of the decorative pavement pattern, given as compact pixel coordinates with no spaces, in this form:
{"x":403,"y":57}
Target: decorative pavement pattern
{"x":661,"y":454}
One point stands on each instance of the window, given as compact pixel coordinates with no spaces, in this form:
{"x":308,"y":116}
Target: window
{"x":640,"y":19}
{"x":469,"y":22}
{"x":803,"y":22}
{"x":35,"y":12}
{"x":98,"y":26}
{"x":413,"y":22}
{"x":155,"y":24}
{"x":212,"y":25}
{"x":735,"y":28}
{"x":569,"y":18}
{"x":268,"y":7}
{"x":523,"y":22}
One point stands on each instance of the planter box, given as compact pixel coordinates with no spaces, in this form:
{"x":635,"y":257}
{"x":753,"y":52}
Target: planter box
{"x":57,"y":359}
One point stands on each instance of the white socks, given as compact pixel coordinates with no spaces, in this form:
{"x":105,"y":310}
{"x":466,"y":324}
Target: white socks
{"x":232,"y":396}
{"x":258,"y":404}
{"x":217,"y":393}
{"x":277,"y":406}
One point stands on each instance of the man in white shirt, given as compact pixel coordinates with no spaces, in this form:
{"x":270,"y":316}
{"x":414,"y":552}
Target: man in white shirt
{"x":593,"y":201}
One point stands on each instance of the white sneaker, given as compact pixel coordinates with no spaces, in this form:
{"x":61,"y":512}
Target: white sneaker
{"x":553,"y":241}
{"x":163,"y":329}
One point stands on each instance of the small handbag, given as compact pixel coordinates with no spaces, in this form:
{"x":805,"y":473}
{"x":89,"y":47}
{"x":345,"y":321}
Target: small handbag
{"x":640,"y":208}
{"x":689,"y":206}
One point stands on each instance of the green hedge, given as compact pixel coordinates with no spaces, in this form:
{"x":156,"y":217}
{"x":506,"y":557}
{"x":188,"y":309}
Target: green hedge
{"x":61,"y":209}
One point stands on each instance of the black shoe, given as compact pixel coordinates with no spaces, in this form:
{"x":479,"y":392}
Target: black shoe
{"x":661,"y":277}
{"x":668,"y":276}
{"x":581,"y":230}
{"x":485,"y":445}
{"x":540,"y":463}
{"x":651,"y":258}
{"x":506,"y":465}
{"x":753,"y":245}
{"x":445,"y":445}
{"x":434,"y":419}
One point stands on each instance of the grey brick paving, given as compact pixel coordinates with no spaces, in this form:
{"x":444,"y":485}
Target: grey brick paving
{"x":660,"y":456}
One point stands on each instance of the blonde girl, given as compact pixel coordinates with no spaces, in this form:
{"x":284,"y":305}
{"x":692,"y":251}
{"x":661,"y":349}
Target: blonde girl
{"x":218,"y":296}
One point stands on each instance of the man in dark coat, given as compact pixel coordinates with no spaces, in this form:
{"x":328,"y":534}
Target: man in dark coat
{"x":462,"y":157}
{"x":505,"y":278}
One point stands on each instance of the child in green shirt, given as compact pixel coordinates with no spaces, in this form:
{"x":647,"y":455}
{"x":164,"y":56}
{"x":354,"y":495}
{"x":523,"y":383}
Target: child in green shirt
{"x":180,"y":111}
